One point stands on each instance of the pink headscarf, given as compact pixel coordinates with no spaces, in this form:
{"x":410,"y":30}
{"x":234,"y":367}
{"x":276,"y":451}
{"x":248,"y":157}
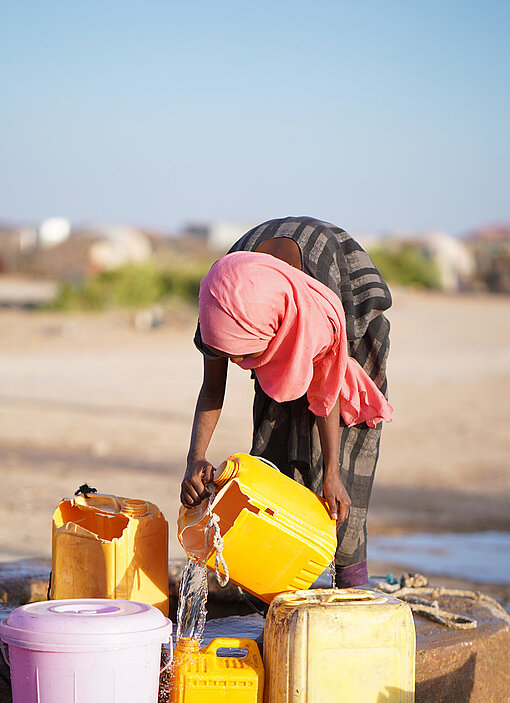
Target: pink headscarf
{"x":251,"y":302}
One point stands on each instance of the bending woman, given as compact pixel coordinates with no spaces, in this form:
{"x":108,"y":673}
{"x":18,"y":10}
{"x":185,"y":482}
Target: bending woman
{"x":304,"y":312}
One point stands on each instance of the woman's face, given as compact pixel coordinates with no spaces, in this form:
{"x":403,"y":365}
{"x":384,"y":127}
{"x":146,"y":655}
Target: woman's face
{"x":236,"y":359}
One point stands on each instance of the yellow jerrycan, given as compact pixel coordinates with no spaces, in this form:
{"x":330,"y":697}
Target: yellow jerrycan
{"x":278,"y":535}
{"x":201,"y":676}
{"x":347,"y":645}
{"x":105,"y":546}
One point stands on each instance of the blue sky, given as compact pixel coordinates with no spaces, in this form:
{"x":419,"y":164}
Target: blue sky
{"x":372,"y":115}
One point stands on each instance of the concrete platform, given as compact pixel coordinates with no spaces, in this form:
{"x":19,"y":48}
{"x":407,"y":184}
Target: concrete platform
{"x":452,"y":666}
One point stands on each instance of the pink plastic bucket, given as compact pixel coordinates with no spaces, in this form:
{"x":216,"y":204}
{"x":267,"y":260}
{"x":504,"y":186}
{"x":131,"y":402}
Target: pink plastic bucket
{"x":85,"y":650}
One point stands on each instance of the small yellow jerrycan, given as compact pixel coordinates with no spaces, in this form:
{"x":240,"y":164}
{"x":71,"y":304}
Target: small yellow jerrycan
{"x":105,"y":546}
{"x":278,"y":535}
{"x":201,"y":676}
{"x":349,"y":645}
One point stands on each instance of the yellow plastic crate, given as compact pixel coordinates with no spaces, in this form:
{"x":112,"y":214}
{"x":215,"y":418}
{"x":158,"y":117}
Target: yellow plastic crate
{"x":200,"y":676}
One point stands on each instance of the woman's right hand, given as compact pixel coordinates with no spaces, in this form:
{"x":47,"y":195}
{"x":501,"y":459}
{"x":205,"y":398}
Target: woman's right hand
{"x":194,"y":487}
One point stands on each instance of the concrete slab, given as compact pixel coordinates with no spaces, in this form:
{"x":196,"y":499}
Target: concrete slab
{"x":24,"y":581}
{"x":457,"y":666}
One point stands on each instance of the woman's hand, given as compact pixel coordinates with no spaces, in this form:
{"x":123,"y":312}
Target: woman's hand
{"x":333,"y":489}
{"x":194,"y":487}
{"x":336,"y":495}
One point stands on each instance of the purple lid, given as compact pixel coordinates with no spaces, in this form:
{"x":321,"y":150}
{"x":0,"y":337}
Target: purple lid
{"x":85,"y":621}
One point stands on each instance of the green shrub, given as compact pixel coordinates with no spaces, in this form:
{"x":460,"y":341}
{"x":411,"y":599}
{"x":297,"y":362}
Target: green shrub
{"x":132,"y":286}
{"x":141,"y":285}
{"x":183,"y":283}
{"x":406,"y":266}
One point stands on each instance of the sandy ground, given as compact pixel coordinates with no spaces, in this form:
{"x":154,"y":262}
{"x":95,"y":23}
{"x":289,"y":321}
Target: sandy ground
{"x":87,"y":398}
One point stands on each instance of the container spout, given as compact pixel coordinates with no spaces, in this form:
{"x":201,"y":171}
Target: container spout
{"x":226,"y":471}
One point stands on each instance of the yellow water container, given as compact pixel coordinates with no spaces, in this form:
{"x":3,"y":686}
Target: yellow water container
{"x":278,"y":535}
{"x":201,"y":676}
{"x":346,"y":645}
{"x":105,"y":546}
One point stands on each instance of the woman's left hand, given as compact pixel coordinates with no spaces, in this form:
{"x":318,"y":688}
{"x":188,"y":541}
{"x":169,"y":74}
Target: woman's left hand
{"x":336,"y":496}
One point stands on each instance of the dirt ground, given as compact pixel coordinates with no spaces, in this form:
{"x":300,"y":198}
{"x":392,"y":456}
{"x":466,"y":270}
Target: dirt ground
{"x":88,"y":398}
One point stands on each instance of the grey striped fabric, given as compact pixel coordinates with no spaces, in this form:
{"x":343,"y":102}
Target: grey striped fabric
{"x":332,"y":257}
{"x":287,"y":433}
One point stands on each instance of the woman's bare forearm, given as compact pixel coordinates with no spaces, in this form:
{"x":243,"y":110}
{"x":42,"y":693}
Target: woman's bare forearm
{"x":204,"y":423}
{"x":208,"y":408}
{"x":199,"y":472}
{"x":329,"y":433}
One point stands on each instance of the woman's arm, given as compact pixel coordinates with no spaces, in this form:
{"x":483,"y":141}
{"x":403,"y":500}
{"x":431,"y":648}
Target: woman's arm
{"x":334,"y":490}
{"x":199,"y":472}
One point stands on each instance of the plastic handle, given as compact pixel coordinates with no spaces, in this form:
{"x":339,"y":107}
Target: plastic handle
{"x":352,"y":597}
{"x":269,"y":463}
{"x":114,"y":500}
{"x":231,"y":643}
{"x":104,"y":497}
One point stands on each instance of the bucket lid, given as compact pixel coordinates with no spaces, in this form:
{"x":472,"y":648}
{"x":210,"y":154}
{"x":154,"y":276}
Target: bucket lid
{"x":84,"y":622}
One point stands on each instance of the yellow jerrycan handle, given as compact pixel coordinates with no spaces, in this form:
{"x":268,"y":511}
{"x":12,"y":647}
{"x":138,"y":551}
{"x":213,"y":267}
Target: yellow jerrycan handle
{"x":232,"y":643}
{"x":98,"y":501}
{"x":332,"y":596}
{"x":349,"y":595}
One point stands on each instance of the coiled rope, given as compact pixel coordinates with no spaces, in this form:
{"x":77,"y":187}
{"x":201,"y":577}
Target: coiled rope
{"x":412,"y":586}
{"x":218,"y":545}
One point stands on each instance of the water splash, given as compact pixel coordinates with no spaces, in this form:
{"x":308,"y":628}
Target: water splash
{"x":192,"y":611}
{"x":191,"y":617}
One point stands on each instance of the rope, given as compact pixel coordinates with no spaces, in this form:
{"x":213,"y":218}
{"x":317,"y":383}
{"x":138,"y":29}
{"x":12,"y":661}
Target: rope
{"x":412,"y":586}
{"x":441,"y":616}
{"x":251,"y":605}
{"x":218,"y":544}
